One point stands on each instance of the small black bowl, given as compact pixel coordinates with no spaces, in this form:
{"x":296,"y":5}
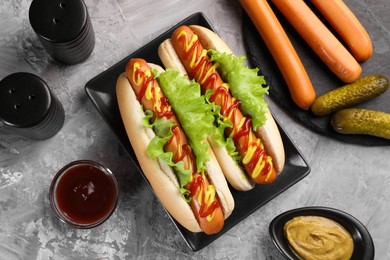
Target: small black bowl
{"x":363,"y":244}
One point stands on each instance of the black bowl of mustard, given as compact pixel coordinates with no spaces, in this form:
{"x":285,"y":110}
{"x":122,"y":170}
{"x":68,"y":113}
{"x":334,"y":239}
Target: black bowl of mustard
{"x":363,"y":246}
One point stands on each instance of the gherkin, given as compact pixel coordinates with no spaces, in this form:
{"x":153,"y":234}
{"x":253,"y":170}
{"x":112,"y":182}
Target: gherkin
{"x":362,"y":121}
{"x":349,"y":95}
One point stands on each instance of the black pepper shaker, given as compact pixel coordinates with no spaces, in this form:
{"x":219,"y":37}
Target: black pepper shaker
{"x":64,"y":29}
{"x":28,"y":108}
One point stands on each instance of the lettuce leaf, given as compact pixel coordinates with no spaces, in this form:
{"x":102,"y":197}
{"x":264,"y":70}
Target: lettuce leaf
{"x":221,"y":123}
{"x":245,"y":85}
{"x":163,"y":129}
{"x":195,"y":115}
{"x":147,"y":117}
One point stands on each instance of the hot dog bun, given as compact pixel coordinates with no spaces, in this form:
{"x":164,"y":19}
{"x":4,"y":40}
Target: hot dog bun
{"x":232,"y":171}
{"x":269,"y":132}
{"x":161,"y":176}
{"x":215,"y":173}
{"x":272,"y":141}
{"x":166,"y":187}
{"x":169,"y":58}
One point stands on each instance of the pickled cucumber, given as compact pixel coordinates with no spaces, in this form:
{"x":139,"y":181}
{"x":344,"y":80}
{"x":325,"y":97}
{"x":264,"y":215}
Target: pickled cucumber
{"x":362,"y":121}
{"x":349,"y":95}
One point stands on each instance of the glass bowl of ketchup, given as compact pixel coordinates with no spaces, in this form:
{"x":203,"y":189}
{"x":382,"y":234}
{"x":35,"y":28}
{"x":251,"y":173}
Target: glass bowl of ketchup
{"x":84,"y":194}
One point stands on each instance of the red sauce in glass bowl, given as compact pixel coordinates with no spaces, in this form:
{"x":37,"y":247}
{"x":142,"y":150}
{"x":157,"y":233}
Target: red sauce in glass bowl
{"x":84,"y":194}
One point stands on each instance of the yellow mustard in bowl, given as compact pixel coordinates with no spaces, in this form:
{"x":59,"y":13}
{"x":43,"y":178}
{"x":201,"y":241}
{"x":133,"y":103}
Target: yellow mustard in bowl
{"x":314,"y":237}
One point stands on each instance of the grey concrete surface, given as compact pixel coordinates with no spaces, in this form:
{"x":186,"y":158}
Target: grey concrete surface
{"x":349,"y":177}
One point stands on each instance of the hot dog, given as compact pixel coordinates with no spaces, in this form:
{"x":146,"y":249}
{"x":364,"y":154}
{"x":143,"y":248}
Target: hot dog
{"x":167,"y":159}
{"x":254,"y":145}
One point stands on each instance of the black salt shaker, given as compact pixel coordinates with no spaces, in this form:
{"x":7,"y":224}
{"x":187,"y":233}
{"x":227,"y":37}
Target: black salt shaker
{"x":28,"y":108}
{"x":64,"y":29}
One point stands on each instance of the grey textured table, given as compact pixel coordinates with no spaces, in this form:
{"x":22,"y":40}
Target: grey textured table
{"x":348,"y":177}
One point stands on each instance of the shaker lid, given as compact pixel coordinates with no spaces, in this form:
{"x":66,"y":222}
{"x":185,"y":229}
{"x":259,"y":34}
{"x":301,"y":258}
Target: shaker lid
{"x":24,"y":100}
{"x":58,"y":21}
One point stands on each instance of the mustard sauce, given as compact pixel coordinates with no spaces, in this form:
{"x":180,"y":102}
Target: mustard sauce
{"x":318,"y":238}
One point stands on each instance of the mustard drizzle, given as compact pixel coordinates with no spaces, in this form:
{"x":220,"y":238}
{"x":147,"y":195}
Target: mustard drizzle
{"x":195,"y":60}
{"x":154,"y":93}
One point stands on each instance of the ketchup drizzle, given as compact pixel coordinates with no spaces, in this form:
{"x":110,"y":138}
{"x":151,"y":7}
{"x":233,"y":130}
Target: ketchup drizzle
{"x":163,"y":110}
{"x":244,"y":132}
{"x":162,"y":106}
{"x":145,"y":83}
{"x":185,"y":150}
{"x":256,"y":156}
{"x":203,"y":212}
{"x":197,"y":182}
{"x":200,"y":70}
{"x":176,"y":135}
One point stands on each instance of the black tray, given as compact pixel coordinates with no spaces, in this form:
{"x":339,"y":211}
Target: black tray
{"x":322,"y":78}
{"x":101,"y":91}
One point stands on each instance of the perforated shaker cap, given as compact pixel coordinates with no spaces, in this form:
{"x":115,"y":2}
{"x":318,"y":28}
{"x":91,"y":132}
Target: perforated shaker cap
{"x":58,"y":21}
{"x":24,"y":100}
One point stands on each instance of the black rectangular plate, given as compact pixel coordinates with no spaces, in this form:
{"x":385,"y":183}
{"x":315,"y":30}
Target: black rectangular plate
{"x":101,"y":90}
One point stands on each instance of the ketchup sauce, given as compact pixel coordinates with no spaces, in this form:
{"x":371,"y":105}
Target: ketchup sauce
{"x":84,"y":194}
